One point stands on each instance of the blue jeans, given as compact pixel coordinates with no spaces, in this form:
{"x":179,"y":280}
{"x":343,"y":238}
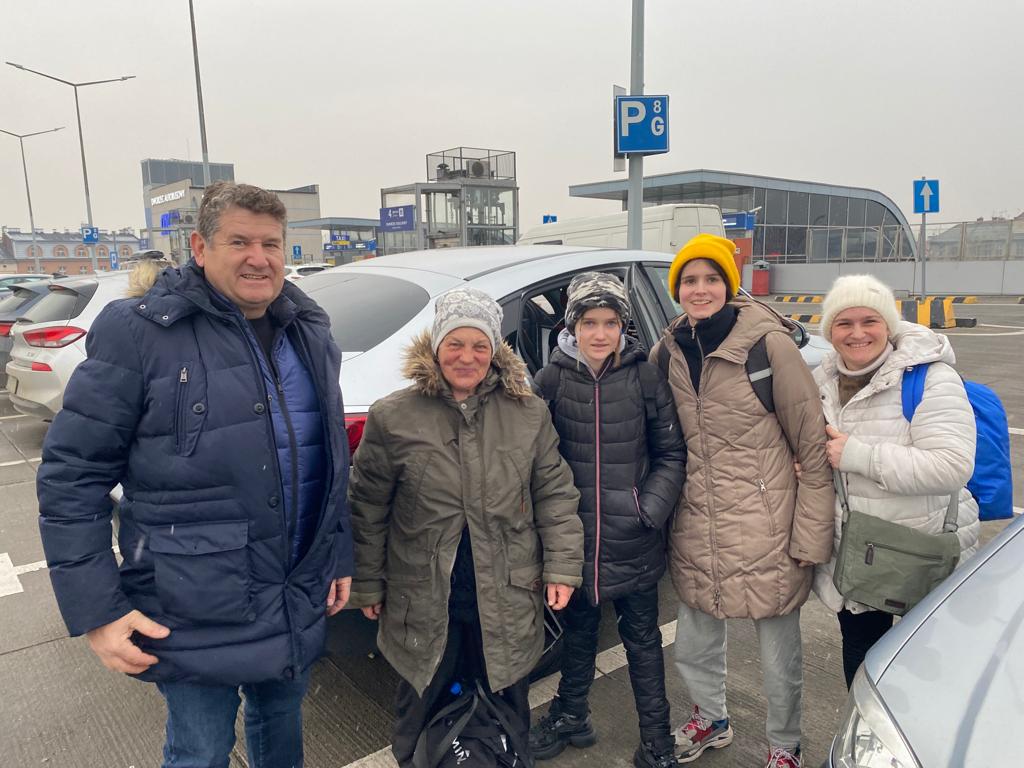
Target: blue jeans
{"x":201,"y":723}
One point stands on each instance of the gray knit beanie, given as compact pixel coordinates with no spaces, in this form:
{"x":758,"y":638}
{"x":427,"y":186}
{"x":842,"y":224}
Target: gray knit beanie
{"x":594,"y":290}
{"x":466,"y":308}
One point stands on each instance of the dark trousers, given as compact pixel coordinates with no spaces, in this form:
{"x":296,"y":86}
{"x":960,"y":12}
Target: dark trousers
{"x":463,"y":661}
{"x":638,"y":627}
{"x":860,"y":631}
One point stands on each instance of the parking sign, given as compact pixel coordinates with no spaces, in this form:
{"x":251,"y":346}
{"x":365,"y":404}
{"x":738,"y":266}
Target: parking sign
{"x":90,"y":235}
{"x":641,"y":125}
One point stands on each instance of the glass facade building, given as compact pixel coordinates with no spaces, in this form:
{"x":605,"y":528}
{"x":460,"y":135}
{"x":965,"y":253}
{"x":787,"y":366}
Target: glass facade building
{"x":796,"y":221}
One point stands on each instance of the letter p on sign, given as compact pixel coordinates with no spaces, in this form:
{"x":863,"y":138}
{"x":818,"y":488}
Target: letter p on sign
{"x":630,"y":113}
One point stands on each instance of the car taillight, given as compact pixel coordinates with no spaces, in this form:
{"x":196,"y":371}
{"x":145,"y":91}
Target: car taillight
{"x":41,"y":367}
{"x":5,"y":329}
{"x":354,"y":426}
{"x":53,"y":337}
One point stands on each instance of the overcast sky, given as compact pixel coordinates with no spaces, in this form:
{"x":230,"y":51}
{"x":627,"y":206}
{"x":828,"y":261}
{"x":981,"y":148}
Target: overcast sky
{"x":353,"y":95}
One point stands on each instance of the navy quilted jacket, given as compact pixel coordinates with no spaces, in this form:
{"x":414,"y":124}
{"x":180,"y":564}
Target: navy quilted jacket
{"x":629,"y":470}
{"x":172,"y":402}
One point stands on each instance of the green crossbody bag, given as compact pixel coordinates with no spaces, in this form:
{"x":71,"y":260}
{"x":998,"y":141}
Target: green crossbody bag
{"x":888,"y":566}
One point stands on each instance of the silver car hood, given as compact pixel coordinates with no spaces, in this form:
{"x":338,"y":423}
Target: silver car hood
{"x":951,"y":671}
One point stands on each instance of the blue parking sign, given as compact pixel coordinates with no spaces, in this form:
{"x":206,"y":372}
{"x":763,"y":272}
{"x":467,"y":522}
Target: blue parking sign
{"x":90,"y":235}
{"x":641,"y":125}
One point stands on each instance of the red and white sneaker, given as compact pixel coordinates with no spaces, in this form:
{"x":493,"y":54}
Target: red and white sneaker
{"x":783,"y":758}
{"x":698,"y":733}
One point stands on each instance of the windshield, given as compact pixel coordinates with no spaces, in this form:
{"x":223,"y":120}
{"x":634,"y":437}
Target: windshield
{"x":16,"y":301}
{"x":365,"y":309}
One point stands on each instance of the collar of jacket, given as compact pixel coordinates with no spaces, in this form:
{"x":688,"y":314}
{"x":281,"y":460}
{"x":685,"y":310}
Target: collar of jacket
{"x":507,"y":373}
{"x":711,"y":331}
{"x":753,"y":321}
{"x":568,"y":355}
{"x":183,"y":291}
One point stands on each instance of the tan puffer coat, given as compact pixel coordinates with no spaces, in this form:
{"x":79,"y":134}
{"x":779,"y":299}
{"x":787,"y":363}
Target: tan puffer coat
{"x":744,"y":521}
{"x":428,"y":466}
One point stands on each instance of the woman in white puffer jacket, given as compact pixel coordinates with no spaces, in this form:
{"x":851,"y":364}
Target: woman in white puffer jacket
{"x":893,"y":469}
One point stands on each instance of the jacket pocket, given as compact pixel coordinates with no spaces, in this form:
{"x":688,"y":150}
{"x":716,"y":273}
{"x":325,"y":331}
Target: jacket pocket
{"x":762,"y":490}
{"x":189,"y":408}
{"x":201,"y":571}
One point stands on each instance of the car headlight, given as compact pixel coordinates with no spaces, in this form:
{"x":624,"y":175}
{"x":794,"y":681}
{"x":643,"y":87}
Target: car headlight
{"x":868,"y":737}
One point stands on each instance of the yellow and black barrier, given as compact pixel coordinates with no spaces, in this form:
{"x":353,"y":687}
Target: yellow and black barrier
{"x":933,"y":311}
{"x":813,"y":319}
{"x":964,"y":299}
{"x":800,"y":299}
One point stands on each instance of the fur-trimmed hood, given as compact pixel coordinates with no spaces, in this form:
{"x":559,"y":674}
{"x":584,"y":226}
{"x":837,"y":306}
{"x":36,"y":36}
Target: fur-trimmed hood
{"x":421,"y":367}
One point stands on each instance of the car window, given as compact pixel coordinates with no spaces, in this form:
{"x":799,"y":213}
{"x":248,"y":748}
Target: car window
{"x":648,"y":313}
{"x":59,"y":304}
{"x":658,"y":275}
{"x":365,"y":309}
{"x":15,"y":301}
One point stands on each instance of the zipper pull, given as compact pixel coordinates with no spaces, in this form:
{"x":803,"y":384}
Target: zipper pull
{"x":869,"y":554}
{"x":761,"y":485}
{"x":693,"y":332}
{"x":183,"y":376}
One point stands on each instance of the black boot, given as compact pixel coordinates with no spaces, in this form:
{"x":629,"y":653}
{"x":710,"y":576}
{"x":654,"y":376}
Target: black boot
{"x":657,"y":753}
{"x":558,"y":729}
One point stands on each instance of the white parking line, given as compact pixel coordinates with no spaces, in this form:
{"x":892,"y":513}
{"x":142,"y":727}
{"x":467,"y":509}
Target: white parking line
{"x":541,"y":692}
{"x":20,"y":461}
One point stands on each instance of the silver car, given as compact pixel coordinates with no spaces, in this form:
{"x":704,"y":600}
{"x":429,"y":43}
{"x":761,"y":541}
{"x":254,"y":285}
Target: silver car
{"x":945,"y":686}
{"x":16,"y":303}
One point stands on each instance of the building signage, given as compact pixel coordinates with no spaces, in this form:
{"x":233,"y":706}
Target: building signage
{"x":167,"y":198}
{"x":400,"y":218}
{"x":641,"y":125}
{"x":740,"y":220}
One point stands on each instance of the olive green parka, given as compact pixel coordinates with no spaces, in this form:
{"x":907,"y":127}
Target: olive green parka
{"x":426,"y":467}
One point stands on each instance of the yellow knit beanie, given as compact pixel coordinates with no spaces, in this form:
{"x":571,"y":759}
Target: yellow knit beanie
{"x":711,"y":247}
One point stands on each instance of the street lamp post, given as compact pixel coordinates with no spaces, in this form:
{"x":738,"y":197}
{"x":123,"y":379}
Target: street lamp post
{"x":28,"y":194}
{"x":199,"y":94}
{"x":81,"y":142}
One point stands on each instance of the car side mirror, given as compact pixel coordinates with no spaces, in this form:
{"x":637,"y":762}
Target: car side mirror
{"x":799,"y":335}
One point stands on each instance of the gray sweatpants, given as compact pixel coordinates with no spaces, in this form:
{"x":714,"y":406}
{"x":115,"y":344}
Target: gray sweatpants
{"x":700,"y":659}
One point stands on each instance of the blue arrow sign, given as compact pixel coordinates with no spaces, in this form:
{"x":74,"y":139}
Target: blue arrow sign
{"x":926,"y":196}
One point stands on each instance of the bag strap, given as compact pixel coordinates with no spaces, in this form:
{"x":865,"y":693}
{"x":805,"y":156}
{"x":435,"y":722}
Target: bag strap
{"x":420,"y":759}
{"x":759,"y":371}
{"x":912,"y":389}
{"x":949,"y":524}
{"x":492,"y":708}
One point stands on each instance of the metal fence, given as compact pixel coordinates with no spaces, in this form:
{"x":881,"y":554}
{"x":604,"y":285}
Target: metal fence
{"x":996,"y":239}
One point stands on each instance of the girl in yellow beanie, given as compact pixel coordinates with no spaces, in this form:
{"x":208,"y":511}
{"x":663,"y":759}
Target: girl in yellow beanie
{"x":746,"y":530}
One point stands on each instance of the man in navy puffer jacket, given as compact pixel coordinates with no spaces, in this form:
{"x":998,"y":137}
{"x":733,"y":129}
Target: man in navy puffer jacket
{"x":214,"y":400}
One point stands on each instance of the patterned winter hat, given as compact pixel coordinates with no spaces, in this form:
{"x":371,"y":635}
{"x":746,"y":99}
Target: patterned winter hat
{"x":466,"y":308}
{"x":593,"y":290}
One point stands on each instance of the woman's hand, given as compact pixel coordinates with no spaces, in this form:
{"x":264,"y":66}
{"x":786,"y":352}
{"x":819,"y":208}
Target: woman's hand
{"x":558,"y":596}
{"x":835,"y":445}
{"x":372,"y":612}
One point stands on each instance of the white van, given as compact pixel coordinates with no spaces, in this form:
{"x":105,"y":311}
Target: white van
{"x":667,"y":228}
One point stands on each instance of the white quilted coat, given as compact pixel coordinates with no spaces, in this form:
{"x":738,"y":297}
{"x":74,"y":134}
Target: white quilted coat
{"x":898,"y":470}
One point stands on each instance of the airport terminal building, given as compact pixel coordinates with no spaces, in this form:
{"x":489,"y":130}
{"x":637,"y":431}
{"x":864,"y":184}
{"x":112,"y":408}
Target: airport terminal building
{"x":796,"y":221}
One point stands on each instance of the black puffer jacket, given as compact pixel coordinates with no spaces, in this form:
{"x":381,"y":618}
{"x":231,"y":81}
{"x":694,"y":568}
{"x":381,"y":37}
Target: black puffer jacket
{"x":640,"y":464}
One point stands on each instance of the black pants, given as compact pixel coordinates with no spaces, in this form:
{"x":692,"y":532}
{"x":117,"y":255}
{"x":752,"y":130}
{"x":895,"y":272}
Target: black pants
{"x":860,"y":632}
{"x":638,"y":627}
{"x":463,"y":661}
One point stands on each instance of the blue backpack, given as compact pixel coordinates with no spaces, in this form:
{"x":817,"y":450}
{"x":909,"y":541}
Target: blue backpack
{"x":991,"y":485}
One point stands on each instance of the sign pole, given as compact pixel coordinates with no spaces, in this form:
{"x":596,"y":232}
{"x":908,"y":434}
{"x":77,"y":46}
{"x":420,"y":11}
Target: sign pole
{"x":634,"y":218}
{"x":924,"y":255}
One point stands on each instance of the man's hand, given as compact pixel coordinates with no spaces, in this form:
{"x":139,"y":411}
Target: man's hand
{"x":338,"y":596}
{"x":372,"y":612}
{"x":835,"y":445}
{"x":558,"y":596}
{"x":112,"y":643}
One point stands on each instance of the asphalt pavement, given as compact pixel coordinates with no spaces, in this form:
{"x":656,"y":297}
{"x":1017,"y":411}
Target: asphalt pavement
{"x":59,"y":707}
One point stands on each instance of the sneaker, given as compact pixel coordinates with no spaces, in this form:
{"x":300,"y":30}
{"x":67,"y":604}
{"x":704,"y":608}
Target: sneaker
{"x":698,"y":733}
{"x":557,"y":730}
{"x":783,"y":758}
{"x":656,"y":755}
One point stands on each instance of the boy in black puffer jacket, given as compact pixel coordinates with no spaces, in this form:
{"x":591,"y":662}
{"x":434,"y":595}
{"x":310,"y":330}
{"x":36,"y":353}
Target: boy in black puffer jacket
{"x":619,"y":432}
